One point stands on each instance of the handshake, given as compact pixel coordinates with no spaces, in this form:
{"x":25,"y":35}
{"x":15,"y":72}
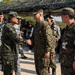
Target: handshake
{"x":28,"y":41}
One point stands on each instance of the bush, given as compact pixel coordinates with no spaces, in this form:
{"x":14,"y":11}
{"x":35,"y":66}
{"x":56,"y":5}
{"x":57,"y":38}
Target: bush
{"x":31,"y":19}
{"x":61,"y":25}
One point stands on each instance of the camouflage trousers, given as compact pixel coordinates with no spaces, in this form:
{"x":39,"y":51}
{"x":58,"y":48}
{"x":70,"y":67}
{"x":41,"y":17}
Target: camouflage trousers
{"x":41,"y":65}
{"x":52,"y":63}
{"x":11,"y":63}
{"x":67,"y":71}
{"x":52,"y":60}
{"x":8,"y":64}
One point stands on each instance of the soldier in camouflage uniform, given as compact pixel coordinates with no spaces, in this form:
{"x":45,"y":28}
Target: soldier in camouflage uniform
{"x":42,"y":42}
{"x":8,"y":48}
{"x":52,"y":64}
{"x":67,"y":49}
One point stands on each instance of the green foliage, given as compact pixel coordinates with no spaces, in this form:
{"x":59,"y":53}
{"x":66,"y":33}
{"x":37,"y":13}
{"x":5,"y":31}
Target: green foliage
{"x":31,"y":19}
{"x":6,"y":1}
{"x":62,"y":25}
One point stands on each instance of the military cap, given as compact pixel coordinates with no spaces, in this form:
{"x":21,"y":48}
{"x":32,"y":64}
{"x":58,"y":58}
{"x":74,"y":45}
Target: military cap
{"x":13,"y":14}
{"x":68,"y":11}
{"x":36,"y":11}
{"x":47,"y":15}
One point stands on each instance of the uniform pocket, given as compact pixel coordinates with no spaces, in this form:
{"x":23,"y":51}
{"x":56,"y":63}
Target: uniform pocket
{"x":46,"y":62}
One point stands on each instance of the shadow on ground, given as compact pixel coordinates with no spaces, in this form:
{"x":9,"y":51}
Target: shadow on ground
{"x":27,"y":62}
{"x":28,"y":71}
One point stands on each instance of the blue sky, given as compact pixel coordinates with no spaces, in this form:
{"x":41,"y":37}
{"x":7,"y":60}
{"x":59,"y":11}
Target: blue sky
{"x":57,"y":18}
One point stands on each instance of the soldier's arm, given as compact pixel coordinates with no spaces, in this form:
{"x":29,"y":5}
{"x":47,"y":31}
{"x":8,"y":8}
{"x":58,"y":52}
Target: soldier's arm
{"x":12,"y":34}
{"x":48,"y":37}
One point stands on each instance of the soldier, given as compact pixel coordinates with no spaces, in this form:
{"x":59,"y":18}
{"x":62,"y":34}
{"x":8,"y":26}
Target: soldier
{"x":42,"y":42}
{"x":67,"y":49}
{"x":9,"y":41}
{"x":52,"y":64}
{"x":17,"y":61}
{"x":20,"y":33}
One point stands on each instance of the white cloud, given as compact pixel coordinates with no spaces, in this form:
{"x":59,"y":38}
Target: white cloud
{"x":57,"y":18}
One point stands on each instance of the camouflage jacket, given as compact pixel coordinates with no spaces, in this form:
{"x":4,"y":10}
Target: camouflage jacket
{"x":67,"y":49}
{"x":9,"y":40}
{"x":42,"y":38}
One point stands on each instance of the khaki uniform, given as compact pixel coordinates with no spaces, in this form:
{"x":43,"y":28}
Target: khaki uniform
{"x":9,"y":40}
{"x":42,"y":42}
{"x":67,"y":50}
{"x":53,"y":53}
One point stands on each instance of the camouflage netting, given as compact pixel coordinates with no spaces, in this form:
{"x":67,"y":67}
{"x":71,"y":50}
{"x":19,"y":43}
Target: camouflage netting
{"x":29,"y":5}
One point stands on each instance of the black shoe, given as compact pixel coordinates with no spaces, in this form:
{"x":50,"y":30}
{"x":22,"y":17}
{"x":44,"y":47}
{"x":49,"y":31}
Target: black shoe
{"x":53,"y":71}
{"x":49,"y":69}
{"x":24,"y":57}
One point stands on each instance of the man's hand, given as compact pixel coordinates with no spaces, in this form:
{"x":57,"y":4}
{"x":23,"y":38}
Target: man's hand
{"x":29,"y":42}
{"x":57,"y":39}
{"x":73,"y":64}
{"x":47,"y":54}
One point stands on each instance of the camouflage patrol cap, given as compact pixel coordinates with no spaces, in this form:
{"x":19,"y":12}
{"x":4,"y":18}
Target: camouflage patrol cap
{"x":13,"y":14}
{"x":36,"y":11}
{"x":68,"y":11}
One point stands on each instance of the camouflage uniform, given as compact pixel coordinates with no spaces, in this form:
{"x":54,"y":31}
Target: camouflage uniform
{"x":56,"y":34}
{"x":67,"y":50}
{"x":9,"y":40}
{"x":53,"y":53}
{"x":43,"y":42}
